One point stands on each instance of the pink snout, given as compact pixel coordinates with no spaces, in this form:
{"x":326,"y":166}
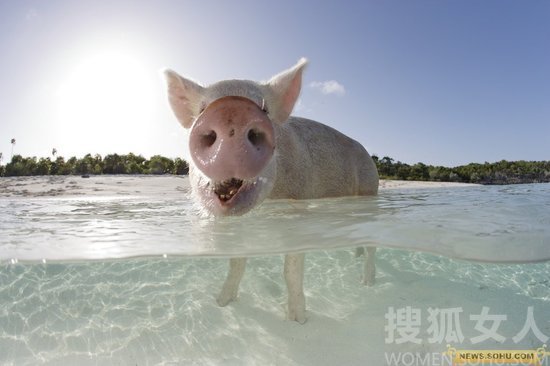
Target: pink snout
{"x":232,"y":138}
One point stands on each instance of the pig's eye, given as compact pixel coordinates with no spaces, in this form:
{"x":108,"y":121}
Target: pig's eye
{"x":264,"y":106}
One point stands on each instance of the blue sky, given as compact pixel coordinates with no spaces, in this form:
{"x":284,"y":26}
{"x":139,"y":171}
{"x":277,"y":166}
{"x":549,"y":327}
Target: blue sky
{"x":442,"y":82}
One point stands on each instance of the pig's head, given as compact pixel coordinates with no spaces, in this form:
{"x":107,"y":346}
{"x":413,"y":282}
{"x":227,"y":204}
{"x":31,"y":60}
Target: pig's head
{"x":233,"y":126}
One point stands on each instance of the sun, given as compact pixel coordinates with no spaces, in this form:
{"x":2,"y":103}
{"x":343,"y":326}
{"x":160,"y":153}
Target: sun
{"x":105,"y":98}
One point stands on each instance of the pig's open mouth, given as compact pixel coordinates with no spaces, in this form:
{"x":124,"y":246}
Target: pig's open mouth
{"x":227,"y":189}
{"x":233,"y":196}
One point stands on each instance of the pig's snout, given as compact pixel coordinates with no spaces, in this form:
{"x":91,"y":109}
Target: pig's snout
{"x":232,"y":138}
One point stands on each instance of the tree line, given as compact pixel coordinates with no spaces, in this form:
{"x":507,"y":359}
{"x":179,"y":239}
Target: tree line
{"x":502,"y":172}
{"x":93,"y":164}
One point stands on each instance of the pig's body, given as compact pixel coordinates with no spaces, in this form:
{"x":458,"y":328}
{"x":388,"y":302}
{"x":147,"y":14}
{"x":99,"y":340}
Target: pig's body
{"x":317,"y":161}
{"x":246,"y":147}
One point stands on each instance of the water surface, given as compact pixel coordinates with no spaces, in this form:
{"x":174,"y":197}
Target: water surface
{"x":484,"y":223}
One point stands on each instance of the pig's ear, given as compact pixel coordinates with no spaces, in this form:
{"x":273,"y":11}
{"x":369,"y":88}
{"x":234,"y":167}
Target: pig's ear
{"x":184,"y":96}
{"x":286,"y":89}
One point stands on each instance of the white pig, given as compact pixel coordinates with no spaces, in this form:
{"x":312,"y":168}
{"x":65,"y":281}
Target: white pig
{"x":246,"y":147}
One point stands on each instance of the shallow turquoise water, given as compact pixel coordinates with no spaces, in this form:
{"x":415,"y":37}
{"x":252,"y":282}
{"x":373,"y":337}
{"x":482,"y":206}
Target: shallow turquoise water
{"x":89,"y":303}
{"x":154,"y":311}
{"x":485,"y":223}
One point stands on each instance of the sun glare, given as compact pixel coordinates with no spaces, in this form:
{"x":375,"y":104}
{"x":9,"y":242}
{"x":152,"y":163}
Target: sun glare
{"x":106,"y":97}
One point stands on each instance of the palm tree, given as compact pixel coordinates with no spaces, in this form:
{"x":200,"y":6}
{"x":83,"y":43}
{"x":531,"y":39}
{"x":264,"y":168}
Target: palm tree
{"x":12,"y":145}
{"x":1,"y":157}
{"x":54,"y":152}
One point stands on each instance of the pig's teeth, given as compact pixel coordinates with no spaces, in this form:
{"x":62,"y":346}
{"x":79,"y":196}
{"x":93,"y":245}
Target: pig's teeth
{"x":232,"y":192}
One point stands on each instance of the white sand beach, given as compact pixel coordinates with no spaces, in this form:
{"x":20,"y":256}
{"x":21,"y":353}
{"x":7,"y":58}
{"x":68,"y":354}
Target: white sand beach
{"x":104,"y":185}
{"x":109,"y":185}
{"x":403,"y":184}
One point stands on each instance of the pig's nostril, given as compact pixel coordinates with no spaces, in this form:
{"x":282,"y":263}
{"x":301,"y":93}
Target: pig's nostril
{"x":256,"y":138}
{"x":208,"y":139}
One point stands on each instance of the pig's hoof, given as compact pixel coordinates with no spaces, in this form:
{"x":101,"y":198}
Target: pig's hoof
{"x":299,"y":317}
{"x":369,"y":280}
{"x":297,"y":312}
{"x":225,"y":298}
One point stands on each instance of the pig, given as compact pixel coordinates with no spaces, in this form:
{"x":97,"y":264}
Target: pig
{"x":246,"y":147}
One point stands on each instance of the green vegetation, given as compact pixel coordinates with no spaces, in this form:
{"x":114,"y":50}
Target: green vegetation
{"x":502,"y":172}
{"x":110,"y":164}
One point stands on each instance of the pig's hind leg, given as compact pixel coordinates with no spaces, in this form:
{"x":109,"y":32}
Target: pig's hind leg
{"x":369,"y":269}
{"x":294,"y":277}
{"x":230,"y":287}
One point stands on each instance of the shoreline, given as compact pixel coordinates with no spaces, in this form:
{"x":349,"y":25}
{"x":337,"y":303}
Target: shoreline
{"x":398,"y":184}
{"x":126,"y":185}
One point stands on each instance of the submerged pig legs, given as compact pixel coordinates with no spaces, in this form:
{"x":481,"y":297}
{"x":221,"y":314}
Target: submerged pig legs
{"x":294,"y":277}
{"x":230,"y":287}
{"x":369,"y":266}
{"x":369,"y":271}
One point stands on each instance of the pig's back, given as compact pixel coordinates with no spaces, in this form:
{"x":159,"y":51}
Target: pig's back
{"x":316,"y":161}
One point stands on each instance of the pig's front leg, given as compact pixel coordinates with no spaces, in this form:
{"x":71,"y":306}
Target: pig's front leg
{"x":294,"y":277}
{"x":230,"y":288}
{"x":369,"y":270}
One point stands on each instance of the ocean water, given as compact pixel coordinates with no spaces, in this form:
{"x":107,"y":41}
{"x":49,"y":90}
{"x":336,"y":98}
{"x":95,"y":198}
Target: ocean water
{"x":129,"y":275}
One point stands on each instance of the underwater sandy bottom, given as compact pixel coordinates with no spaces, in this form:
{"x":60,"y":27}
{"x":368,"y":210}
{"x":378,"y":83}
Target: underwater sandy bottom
{"x":149,"y":312}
